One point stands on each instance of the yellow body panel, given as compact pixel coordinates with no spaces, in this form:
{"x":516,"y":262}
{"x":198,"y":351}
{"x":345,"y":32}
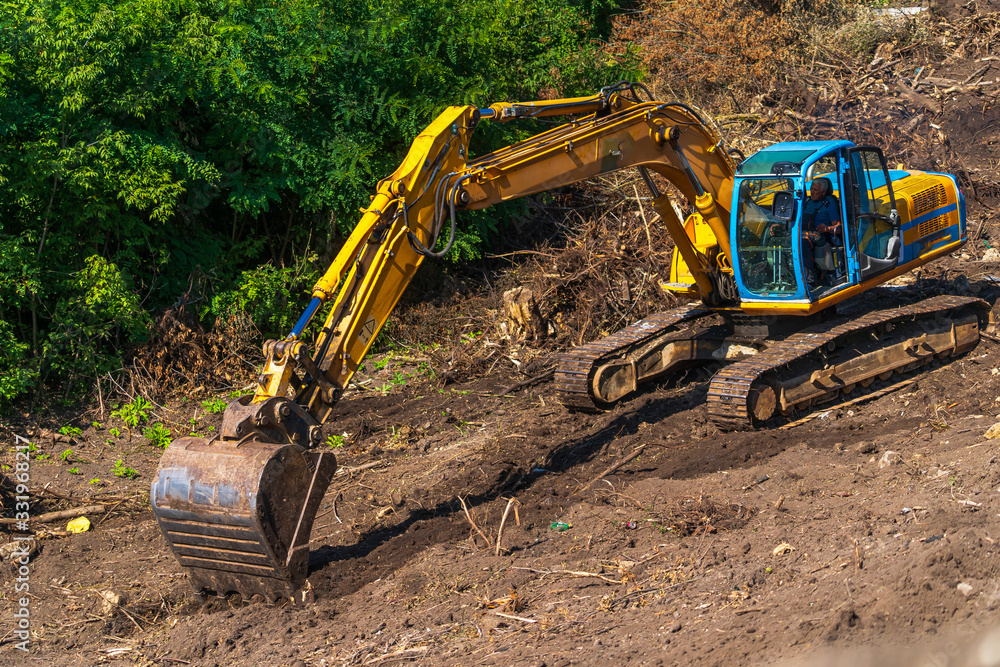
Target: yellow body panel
{"x":703,"y":238}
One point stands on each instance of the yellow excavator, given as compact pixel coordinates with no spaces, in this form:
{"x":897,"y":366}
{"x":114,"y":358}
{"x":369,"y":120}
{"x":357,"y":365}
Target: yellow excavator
{"x":762,"y":268}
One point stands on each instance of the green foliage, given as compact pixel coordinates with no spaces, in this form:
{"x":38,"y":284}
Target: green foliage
{"x":268,"y":294}
{"x":98,"y":313}
{"x":119,"y":469}
{"x":146,"y":143}
{"x":158,"y":435}
{"x":214,"y":406}
{"x":133,"y":413}
{"x":425,"y":369}
{"x":17,"y":374}
{"x":398,"y":379}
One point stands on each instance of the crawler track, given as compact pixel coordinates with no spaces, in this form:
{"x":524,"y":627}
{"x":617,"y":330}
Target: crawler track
{"x":577,"y":368}
{"x":803,"y":369}
{"x":817,"y":365}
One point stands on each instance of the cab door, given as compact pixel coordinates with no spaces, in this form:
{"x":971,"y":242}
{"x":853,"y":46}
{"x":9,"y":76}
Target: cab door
{"x":872,"y":220}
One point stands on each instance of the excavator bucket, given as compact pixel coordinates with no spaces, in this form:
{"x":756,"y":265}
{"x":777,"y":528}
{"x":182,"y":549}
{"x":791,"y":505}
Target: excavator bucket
{"x":237,"y":514}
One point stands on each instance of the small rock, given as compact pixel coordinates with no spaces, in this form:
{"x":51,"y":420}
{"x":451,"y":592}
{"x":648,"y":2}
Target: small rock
{"x":965,"y":589}
{"x":865,"y":447}
{"x":18,"y":549}
{"x":890,"y":458}
{"x":782,"y":549}
{"x":111,"y":600}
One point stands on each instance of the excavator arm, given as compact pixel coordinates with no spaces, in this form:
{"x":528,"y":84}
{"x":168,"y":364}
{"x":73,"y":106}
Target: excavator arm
{"x":237,"y":509}
{"x":436,"y":180}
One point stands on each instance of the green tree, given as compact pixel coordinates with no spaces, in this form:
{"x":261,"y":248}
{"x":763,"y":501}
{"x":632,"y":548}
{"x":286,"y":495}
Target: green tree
{"x":146,"y":142}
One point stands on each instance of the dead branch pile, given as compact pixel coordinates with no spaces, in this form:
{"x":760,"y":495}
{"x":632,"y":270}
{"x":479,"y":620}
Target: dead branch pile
{"x":182,"y":356}
{"x":607,"y":274}
{"x":693,"y":516}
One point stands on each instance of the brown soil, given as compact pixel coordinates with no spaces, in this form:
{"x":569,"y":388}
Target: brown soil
{"x":866,"y":526}
{"x":675,"y":557}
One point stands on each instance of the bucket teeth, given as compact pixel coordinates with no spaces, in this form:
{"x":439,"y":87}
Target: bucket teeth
{"x":237,"y":515}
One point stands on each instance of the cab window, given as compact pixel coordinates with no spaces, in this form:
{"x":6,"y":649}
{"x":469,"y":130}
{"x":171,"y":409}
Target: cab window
{"x":764,"y":243}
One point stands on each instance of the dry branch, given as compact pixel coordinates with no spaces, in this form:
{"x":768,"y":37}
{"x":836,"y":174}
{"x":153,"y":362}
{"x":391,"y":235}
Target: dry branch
{"x":49,"y":517}
{"x":516,"y":618}
{"x":503,"y":521}
{"x":468,"y":516}
{"x":574,"y":573}
{"x":613,"y":467}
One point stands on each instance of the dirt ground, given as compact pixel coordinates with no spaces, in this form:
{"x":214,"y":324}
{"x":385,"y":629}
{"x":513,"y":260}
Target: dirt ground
{"x":862,"y":533}
{"x":873,"y":524}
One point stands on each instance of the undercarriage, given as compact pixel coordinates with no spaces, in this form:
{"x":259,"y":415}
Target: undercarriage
{"x":775,"y":374}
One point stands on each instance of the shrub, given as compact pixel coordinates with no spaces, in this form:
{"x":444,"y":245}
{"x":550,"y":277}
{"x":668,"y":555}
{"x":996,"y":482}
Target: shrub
{"x":119,"y":469}
{"x":159,"y":435}
{"x":99,"y":313}
{"x":214,"y":406}
{"x":133,"y":413}
{"x":273,"y":298}
{"x":867,"y":29}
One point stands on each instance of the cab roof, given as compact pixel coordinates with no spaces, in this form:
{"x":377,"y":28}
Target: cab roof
{"x":786,"y":156}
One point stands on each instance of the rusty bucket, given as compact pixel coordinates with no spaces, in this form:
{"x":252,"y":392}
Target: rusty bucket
{"x":237,"y":514}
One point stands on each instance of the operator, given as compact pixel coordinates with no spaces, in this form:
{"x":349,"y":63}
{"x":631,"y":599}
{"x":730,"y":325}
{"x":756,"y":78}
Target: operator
{"x":821,"y":222}
{"x":821,"y":212}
